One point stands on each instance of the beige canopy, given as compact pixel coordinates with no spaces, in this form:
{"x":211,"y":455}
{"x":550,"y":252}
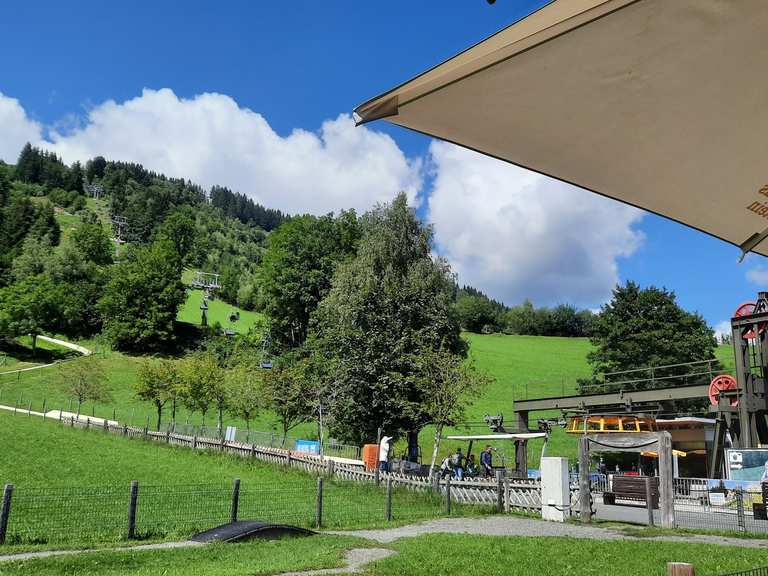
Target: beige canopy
{"x":661,"y":104}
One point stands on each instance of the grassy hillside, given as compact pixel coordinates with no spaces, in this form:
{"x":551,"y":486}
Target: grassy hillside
{"x":49,"y":462}
{"x":523,"y":366}
{"x":218,"y":311}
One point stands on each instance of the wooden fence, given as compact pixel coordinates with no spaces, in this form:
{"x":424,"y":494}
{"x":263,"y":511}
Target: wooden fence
{"x":507,"y":494}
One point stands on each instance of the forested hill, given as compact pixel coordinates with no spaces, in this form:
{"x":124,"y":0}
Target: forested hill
{"x":219,"y":230}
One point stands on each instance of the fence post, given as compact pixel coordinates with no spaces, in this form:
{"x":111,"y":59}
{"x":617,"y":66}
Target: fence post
{"x":507,"y":495}
{"x":194,"y":442}
{"x":389,"y":499}
{"x":679,"y":569}
{"x":125,"y":429}
{"x":45,"y":402}
{"x":330,"y":468}
{"x":235,"y":500}
{"x":377,"y":475}
{"x":87,"y":423}
{"x":288,"y":459}
{"x":436,"y":483}
{"x":585,"y":508}
{"x":319,"y":505}
{"x":29,"y":410}
{"x":106,"y":425}
{"x":740,"y":510}
{"x":168,"y":436}
{"x":499,"y":490}
{"x":649,"y":499}
{"x":5,"y":511}
{"x":448,"y":495}
{"x":132,"y":509}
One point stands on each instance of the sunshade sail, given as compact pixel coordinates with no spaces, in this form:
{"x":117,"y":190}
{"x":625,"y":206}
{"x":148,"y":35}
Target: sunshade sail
{"x":661,"y":104}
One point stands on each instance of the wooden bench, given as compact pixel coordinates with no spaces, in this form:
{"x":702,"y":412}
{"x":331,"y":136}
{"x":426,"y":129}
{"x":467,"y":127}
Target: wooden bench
{"x":631,"y":488}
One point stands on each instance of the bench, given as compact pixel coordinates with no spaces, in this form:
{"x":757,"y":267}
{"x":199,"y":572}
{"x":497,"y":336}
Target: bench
{"x":631,"y":488}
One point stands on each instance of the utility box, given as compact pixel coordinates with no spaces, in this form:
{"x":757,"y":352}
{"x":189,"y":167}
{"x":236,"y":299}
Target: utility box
{"x":555,"y":489}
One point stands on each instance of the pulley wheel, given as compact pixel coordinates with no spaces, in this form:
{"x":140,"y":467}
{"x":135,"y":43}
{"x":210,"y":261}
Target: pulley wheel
{"x":718,"y":385}
{"x":745,"y":310}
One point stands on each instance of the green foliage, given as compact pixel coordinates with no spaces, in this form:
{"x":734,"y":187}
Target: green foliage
{"x":244,"y":391}
{"x":142,"y":297}
{"x":203,"y":383}
{"x":447,"y":385}
{"x":84,"y":379}
{"x":562,"y":320}
{"x":242,"y":208}
{"x":298,"y":265}
{"x":476,"y":313}
{"x":94,"y":243}
{"x":178,"y":230}
{"x":287,"y":390}
{"x":158,"y":382}
{"x":643,"y":327}
{"x":389,"y":304}
{"x":28,"y":307}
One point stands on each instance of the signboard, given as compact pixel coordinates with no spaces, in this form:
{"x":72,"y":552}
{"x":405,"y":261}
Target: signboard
{"x":308,"y":446}
{"x":750,"y":465}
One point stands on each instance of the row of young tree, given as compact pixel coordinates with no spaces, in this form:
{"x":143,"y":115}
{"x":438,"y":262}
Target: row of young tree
{"x":480,"y":314}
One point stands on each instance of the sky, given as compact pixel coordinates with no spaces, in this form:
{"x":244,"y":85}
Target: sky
{"x":257,"y":96}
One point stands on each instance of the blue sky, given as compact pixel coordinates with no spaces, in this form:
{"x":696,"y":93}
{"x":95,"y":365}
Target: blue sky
{"x":298,"y":65}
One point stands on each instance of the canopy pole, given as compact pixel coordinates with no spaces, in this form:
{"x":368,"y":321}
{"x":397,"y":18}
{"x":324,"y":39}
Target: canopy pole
{"x":751,"y":243}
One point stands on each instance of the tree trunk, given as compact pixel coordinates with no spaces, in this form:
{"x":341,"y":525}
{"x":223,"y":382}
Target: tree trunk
{"x":285,"y":436}
{"x":438,"y":437}
{"x":159,"y":415}
{"x":79,"y":403}
{"x":173,"y":413}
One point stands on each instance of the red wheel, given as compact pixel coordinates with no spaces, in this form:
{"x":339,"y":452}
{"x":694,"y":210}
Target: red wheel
{"x":745,"y":310}
{"x":719,"y":384}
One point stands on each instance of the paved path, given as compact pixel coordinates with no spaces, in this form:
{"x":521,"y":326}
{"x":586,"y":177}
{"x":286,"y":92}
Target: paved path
{"x":517,"y":526}
{"x":76,"y":347}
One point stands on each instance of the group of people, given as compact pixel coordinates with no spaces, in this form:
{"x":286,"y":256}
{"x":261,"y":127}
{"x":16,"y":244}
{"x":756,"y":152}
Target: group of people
{"x":458,"y":466}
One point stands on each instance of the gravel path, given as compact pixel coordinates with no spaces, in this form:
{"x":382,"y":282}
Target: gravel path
{"x":49,"y":553}
{"x":356,"y":559}
{"x":516,"y":526}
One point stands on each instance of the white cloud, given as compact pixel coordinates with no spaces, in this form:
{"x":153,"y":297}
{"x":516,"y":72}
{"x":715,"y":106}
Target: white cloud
{"x":758,"y":275}
{"x":722,"y":329}
{"x":209,"y":139}
{"x":516,"y":234}
{"x":16,"y":129}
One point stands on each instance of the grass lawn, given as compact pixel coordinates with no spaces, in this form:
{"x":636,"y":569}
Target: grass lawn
{"x":434,"y":554}
{"x":439,"y":554}
{"x":72,"y":485}
{"x":250,"y":558}
{"x":218,"y":311}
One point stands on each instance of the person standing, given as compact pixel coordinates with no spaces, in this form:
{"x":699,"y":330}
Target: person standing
{"x":384,"y":445}
{"x":486,"y":462}
{"x":458,"y":464}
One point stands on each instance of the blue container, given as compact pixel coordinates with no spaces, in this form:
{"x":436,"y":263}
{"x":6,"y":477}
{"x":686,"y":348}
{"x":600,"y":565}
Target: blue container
{"x":307,"y":446}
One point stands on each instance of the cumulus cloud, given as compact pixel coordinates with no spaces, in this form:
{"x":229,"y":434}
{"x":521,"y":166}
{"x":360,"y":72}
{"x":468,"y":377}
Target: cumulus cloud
{"x":517,"y":234}
{"x":722,"y":329}
{"x":16,"y":129}
{"x":209,"y":139}
{"x":758,"y":275}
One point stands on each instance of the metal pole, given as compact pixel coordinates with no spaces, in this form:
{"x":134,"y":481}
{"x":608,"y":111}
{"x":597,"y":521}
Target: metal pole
{"x":319,"y":507}
{"x":132,"y":509}
{"x":499,"y":491}
{"x":649,"y":499}
{"x":448,"y":495}
{"x":585,"y":510}
{"x":5,"y":511}
{"x":235,"y":500}
{"x":389,"y":499}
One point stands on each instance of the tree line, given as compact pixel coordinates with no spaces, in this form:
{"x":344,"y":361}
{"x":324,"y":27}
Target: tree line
{"x":480,"y":314}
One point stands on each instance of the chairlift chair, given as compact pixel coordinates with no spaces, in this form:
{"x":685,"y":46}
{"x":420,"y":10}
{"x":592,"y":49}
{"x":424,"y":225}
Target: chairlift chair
{"x":266,"y":356}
